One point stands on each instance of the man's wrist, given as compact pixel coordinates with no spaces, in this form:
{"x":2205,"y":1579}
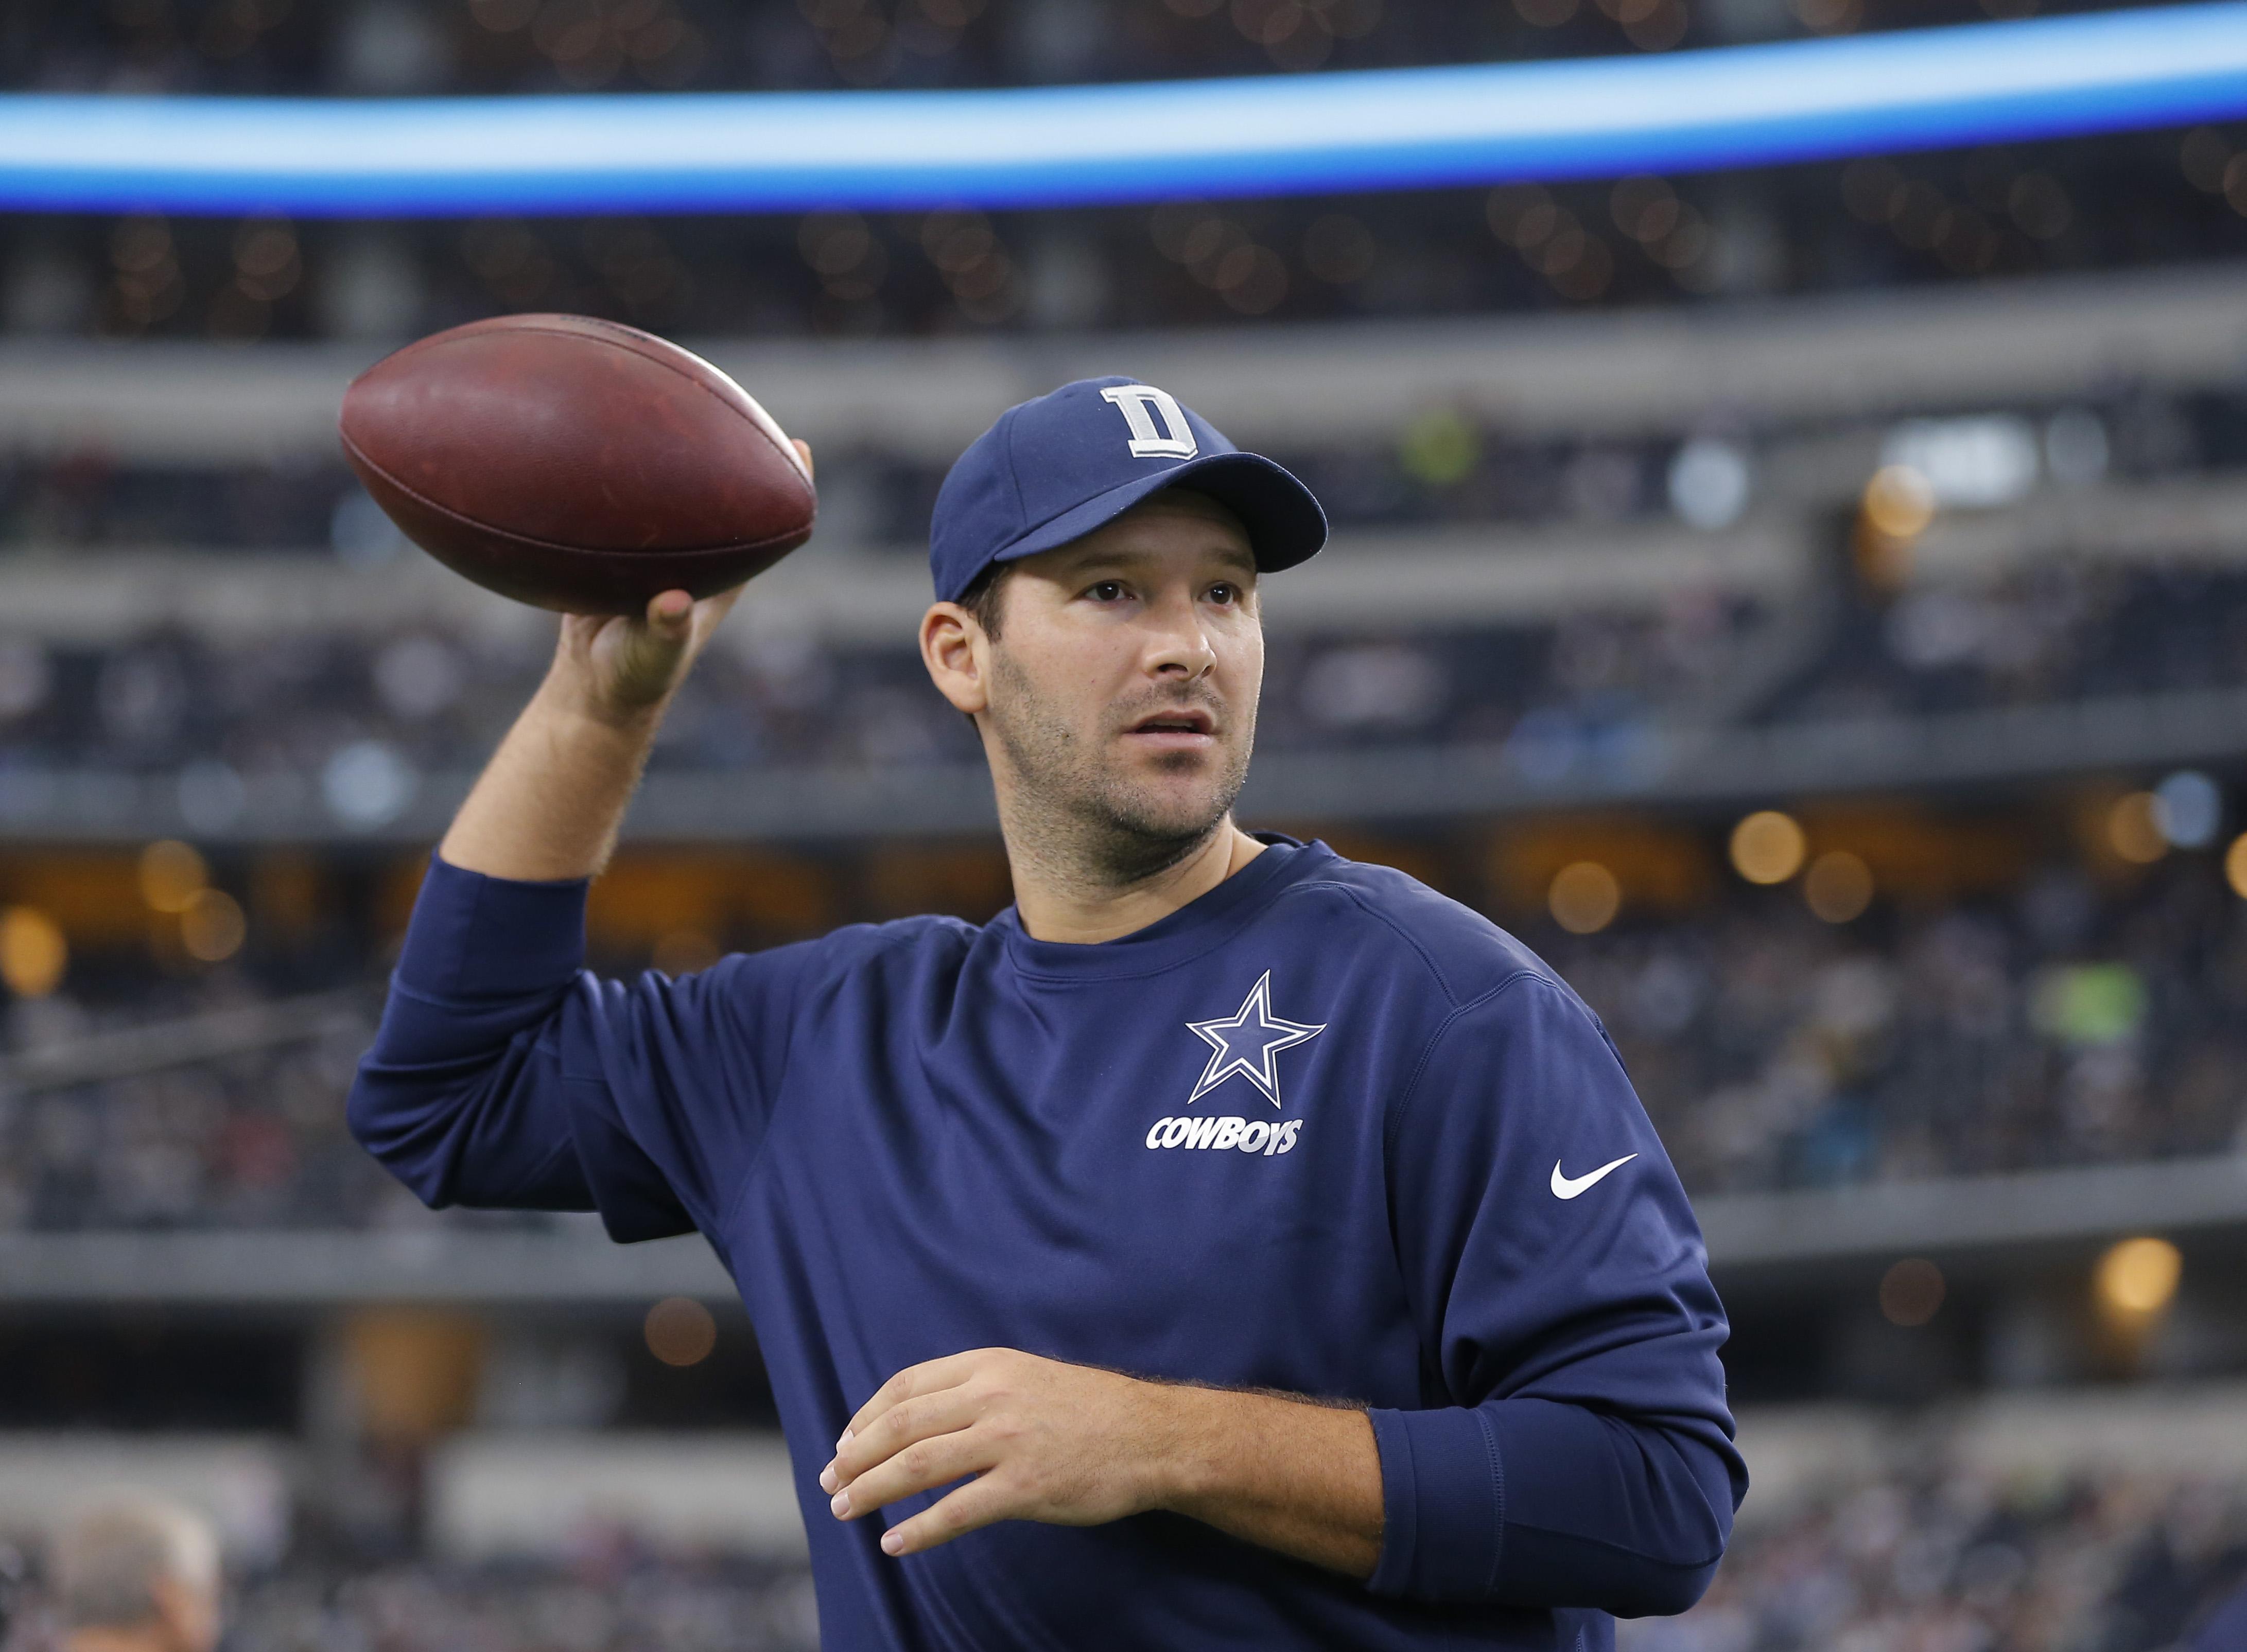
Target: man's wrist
{"x":1299,"y":1476}
{"x":566,"y":699}
{"x":1179,"y":1469}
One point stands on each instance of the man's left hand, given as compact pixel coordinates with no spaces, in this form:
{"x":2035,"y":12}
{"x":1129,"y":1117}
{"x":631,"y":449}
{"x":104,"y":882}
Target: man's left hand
{"x":1066,"y":1444}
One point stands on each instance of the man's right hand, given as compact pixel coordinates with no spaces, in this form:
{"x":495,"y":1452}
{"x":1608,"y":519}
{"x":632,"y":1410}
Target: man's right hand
{"x":548,"y":805}
{"x":624,"y":671}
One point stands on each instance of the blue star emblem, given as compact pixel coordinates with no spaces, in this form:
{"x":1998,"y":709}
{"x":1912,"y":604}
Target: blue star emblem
{"x":1247,"y":1043}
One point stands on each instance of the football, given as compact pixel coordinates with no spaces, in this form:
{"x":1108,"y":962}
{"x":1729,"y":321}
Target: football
{"x":578,"y":465}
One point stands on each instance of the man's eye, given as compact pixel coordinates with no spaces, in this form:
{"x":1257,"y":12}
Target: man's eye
{"x":1225,"y":593}
{"x":1107,"y":590}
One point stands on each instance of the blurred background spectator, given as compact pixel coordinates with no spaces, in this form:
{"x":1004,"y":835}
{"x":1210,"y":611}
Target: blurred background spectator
{"x":137,"y":1575}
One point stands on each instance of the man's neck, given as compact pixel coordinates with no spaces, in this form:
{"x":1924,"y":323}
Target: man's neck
{"x":1055,"y":906}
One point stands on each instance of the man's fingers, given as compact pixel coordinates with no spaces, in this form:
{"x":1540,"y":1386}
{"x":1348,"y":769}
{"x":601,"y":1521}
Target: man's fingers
{"x":804,"y":447}
{"x":925,"y":1378}
{"x":979,"y":1503}
{"x":648,"y":651}
{"x":922,"y":1466}
{"x":922,"y":1417}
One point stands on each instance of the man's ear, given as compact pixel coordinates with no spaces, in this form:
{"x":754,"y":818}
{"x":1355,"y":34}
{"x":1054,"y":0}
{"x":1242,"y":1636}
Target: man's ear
{"x":953,"y":648}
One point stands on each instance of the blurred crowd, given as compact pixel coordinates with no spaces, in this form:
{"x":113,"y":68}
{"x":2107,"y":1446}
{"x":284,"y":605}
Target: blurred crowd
{"x":337,"y":707}
{"x":1443,"y":467}
{"x":1953,"y":1561}
{"x":549,"y":46}
{"x":359,"y":717}
{"x":619,"y":1602}
{"x":2058,"y":632}
{"x":1940,"y":1560}
{"x":1447,"y":466}
{"x":253,"y":1140}
{"x":2121,"y":202}
{"x":615,"y":1598}
{"x":2063,"y":1023}
{"x":2059,"y":1024}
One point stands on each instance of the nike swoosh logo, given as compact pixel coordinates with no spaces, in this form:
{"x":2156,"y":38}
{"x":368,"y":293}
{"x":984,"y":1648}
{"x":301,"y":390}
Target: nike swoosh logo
{"x":1568,"y":1186}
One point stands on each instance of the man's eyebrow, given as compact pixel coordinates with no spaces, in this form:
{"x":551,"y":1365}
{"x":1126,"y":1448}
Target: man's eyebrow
{"x":1078,"y":562}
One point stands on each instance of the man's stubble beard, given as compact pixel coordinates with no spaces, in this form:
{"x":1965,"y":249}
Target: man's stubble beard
{"x":1072,"y":811}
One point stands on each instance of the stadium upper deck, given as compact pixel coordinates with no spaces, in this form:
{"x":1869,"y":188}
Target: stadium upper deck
{"x":1576,"y":560}
{"x":421,"y":46}
{"x":2121,"y":202}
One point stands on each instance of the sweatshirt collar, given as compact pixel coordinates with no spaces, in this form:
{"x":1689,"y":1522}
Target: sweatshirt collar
{"x":1199,"y":927}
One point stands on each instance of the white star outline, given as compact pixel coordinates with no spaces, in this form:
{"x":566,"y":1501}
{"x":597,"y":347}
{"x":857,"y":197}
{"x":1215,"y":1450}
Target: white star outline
{"x":1266,"y":1033}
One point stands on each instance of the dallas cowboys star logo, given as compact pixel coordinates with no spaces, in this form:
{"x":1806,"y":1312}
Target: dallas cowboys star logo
{"x":1247,"y":1043}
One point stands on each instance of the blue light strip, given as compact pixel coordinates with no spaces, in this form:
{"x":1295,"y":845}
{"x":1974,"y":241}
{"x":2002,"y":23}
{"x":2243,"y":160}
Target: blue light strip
{"x":1276,"y":135}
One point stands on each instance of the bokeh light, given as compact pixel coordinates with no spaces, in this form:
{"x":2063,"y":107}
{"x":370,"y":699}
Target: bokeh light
{"x":680,"y":1331}
{"x":2235,"y":866}
{"x":2188,"y":809}
{"x":1767,"y":847}
{"x":1899,"y":503}
{"x":212,"y":927}
{"x":1585,"y":897}
{"x":1911,"y":1292}
{"x":1439,"y":447}
{"x":1710,"y":483}
{"x":2139,"y":1276}
{"x":171,"y":875}
{"x":1837,"y":886}
{"x":2134,"y":829}
{"x":34,"y":955}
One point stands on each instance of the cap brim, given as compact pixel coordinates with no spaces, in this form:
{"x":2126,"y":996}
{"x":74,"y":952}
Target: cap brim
{"x":1286,"y":523}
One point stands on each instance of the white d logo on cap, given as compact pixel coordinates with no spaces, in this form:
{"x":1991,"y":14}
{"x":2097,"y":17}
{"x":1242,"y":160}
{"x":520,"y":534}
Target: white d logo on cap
{"x":1141,"y":405}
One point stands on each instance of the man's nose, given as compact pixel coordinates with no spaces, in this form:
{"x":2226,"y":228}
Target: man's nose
{"x":1178,"y":645}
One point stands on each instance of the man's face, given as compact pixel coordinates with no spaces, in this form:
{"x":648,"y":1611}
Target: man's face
{"x":187,"y":1612}
{"x":1121,"y":688}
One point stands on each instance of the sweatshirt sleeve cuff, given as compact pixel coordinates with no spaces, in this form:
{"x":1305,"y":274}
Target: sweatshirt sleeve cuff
{"x":1443,"y":1496}
{"x":475,"y":937}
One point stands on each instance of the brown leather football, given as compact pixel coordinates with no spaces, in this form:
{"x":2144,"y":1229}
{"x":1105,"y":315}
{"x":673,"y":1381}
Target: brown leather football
{"x":575,"y":464}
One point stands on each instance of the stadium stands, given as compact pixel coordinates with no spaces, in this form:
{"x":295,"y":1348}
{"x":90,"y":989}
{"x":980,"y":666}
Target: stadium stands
{"x":1561,"y":575}
{"x":169,"y":700}
{"x":1936,"y":1558}
{"x":2054,"y":1017}
{"x":499,"y":46}
{"x":1809,"y":606}
{"x":1558,"y":586}
{"x":2115,"y":204}
{"x":2009,"y":1522}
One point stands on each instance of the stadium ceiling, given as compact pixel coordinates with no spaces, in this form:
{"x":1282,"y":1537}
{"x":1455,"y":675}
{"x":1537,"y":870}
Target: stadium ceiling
{"x":1292,"y":134}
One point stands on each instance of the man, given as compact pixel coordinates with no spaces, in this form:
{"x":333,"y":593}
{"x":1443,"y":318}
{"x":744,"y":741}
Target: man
{"x":137,"y":1575}
{"x":1263,"y":1249}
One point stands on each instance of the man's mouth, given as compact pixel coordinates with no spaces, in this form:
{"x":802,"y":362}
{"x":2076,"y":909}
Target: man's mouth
{"x":1178,"y":727}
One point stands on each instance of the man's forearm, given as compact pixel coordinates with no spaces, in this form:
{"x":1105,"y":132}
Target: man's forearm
{"x":549,"y":803}
{"x":1285,"y":1474}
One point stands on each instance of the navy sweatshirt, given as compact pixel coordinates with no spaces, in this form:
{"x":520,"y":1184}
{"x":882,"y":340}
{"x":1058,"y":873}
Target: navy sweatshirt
{"x":1320,"y":1130}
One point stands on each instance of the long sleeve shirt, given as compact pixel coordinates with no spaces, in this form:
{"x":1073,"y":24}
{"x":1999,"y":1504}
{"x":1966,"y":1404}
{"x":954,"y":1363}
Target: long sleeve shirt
{"x":1320,"y":1130}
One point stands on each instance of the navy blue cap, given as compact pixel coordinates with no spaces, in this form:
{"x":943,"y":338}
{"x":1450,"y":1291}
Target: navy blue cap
{"x":1054,"y":469}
